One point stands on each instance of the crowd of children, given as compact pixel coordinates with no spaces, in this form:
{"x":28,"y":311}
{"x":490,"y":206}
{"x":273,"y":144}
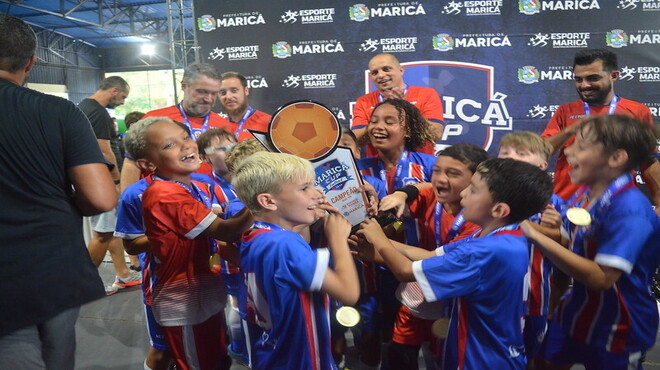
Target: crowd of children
{"x":470,"y":273}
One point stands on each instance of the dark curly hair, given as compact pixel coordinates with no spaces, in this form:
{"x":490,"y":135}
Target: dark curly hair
{"x":415,"y":124}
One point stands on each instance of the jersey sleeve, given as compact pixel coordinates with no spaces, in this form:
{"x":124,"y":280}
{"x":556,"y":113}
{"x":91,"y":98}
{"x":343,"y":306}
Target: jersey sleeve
{"x":454,"y":274}
{"x":420,"y":205}
{"x":177,"y":210}
{"x":80,"y":145}
{"x":303,"y":267}
{"x":361,"y":113}
{"x":557,"y":123}
{"x":129,"y":216}
{"x":645,"y":115}
{"x":431,"y":108}
{"x":622,"y":237}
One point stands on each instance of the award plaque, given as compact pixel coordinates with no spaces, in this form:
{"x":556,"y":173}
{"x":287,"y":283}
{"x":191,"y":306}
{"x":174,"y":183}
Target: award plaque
{"x":311,"y":131}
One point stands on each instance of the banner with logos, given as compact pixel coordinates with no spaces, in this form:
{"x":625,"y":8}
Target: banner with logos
{"x":498,"y":65}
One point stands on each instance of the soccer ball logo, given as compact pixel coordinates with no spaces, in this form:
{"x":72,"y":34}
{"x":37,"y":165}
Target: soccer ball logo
{"x":306,"y":129}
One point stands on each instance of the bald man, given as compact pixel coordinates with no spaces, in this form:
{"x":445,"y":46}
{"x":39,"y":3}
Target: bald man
{"x":386,"y":73}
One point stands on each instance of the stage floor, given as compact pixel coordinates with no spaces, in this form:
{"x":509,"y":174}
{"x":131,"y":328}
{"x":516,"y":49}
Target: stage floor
{"x":111,"y":333}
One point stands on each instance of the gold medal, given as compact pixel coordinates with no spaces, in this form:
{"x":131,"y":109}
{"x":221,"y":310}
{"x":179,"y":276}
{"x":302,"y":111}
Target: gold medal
{"x":440,"y":328}
{"x":578,"y":216}
{"x":214,"y":263}
{"x":347,"y":316}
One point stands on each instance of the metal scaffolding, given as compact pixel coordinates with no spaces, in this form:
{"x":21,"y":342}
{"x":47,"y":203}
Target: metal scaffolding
{"x":183,"y":44}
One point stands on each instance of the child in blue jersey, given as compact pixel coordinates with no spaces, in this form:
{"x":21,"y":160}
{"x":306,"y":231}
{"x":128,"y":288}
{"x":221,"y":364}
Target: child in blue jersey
{"x":438,"y":205}
{"x":214,"y":145}
{"x":240,"y":336}
{"x":288,"y":282}
{"x":529,"y":147}
{"x":484,"y":273}
{"x":608,"y":318}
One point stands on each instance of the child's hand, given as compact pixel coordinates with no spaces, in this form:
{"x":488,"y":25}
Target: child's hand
{"x":528,"y":229}
{"x":336,"y":226}
{"x":218,"y":211}
{"x":372,"y":196}
{"x":551,"y":218}
{"x":319,"y":211}
{"x":362,"y":249}
{"x":394,"y":93}
{"x":371,"y":231}
{"x":396,"y":201}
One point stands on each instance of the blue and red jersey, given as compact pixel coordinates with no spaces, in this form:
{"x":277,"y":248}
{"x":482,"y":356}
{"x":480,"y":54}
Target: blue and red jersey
{"x":540,"y":269}
{"x":624,"y":236}
{"x":284,"y":277}
{"x":487,"y":278}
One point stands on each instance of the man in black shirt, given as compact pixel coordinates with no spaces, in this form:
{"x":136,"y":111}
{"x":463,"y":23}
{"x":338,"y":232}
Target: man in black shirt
{"x":112,"y":92}
{"x":52,"y":173}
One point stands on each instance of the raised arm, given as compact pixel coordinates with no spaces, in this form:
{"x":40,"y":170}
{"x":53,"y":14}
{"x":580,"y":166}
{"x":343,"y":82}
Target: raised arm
{"x":584,"y":270}
{"x":341,"y":283}
{"x":231,"y":229}
{"x":400,"y":265}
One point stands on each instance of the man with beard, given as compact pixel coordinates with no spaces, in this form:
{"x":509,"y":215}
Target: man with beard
{"x":112,"y":92}
{"x":386,"y":73}
{"x":234,"y":94}
{"x":594,"y":71}
{"x":200,"y":86}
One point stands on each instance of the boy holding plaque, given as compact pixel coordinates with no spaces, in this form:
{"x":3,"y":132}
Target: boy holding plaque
{"x":438,"y":206}
{"x":609,"y":318}
{"x":188,"y":298}
{"x":288,"y":282}
{"x":484,"y":273}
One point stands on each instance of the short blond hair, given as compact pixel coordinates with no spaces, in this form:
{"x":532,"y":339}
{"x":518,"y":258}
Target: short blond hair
{"x":241,"y":151}
{"x":266,"y":172}
{"x":527,"y":140}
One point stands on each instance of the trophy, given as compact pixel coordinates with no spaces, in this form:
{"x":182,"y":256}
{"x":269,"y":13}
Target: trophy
{"x":311,"y":131}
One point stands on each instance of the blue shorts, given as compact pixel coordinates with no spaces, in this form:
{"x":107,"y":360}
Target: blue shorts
{"x":156,"y":336}
{"x":561,"y":349}
{"x":534,"y":334}
{"x":233,"y":283}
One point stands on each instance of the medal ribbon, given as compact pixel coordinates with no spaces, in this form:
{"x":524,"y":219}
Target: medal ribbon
{"x":455,"y":227}
{"x":250,"y":111}
{"x":403,"y":163}
{"x":498,"y":230}
{"x":186,"y":121}
{"x":266,"y":226}
{"x":597,"y":208}
{"x":610,"y":111}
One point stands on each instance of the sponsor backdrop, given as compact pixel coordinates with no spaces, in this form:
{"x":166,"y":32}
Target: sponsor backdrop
{"x":498,"y":65}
